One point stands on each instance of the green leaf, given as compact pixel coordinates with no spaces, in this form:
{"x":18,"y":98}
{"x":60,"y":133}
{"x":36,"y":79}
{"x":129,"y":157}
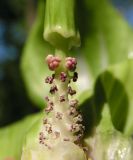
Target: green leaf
{"x":118,"y":87}
{"x":11,"y":137}
{"x":113,"y":86}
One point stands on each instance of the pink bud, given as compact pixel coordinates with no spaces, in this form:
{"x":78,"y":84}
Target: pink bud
{"x":53,"y":62}
{"x":71,"y":63}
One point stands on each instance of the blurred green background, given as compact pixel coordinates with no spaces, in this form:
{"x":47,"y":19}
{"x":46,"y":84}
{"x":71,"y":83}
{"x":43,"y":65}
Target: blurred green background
{"x":16,"y":19}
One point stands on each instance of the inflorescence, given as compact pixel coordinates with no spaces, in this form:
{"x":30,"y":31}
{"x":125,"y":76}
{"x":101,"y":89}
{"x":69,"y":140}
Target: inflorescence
{"x":63,"y":121}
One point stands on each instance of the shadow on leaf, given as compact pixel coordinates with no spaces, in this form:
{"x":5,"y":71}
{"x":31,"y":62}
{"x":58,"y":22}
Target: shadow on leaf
{"x":108,"y":89}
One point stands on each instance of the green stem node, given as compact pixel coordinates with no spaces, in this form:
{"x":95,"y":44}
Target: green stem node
{"x":59,"y":28}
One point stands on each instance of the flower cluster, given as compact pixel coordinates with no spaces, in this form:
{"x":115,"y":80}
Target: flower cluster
{"x":63,"y":121}
{"x":54,"y":62}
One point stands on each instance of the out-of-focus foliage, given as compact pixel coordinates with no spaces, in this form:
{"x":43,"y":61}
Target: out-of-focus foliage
{"x":12,"y":137}
{"x":106,"y":40}
{"x":14,"y":102}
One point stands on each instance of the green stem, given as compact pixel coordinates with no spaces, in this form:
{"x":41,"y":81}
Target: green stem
{"x":60,"y":29}
{"x":60,"y":53}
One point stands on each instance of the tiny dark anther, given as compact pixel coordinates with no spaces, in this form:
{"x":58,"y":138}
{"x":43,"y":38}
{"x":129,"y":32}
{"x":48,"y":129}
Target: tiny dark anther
{"x":78,"y":118}
{"x":45,"y":121}
{"x":76,"y":128}
{"x":77,"y":141}
{"x":63,"y":76}
{"x":66,"y":139}
{"x":72,"y":111}
{"x":75,"y":76}
{"x":48,"y":128}
{"x":62,"y":98}
{"x":41,"y":133}
{"x":73,"y":103}
{"x":47,"y":98}
{"x":71,"y":91}
{"x":83,"y":127}
{"x":49,"y":108}
{"x":51,"y":103}
{"x":53,"y":76}
{"x":41,"y":138}
{"x":85,"y":149}
{"x":53,"y":89}
{"x":71,"y":128}
{"x":80,"y":135}
{"x":59,"y":115}
{"x":41,"y":142}
{"x":56,"y":134}
{"x":49,"y":80}
{"x":46,"y":145}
